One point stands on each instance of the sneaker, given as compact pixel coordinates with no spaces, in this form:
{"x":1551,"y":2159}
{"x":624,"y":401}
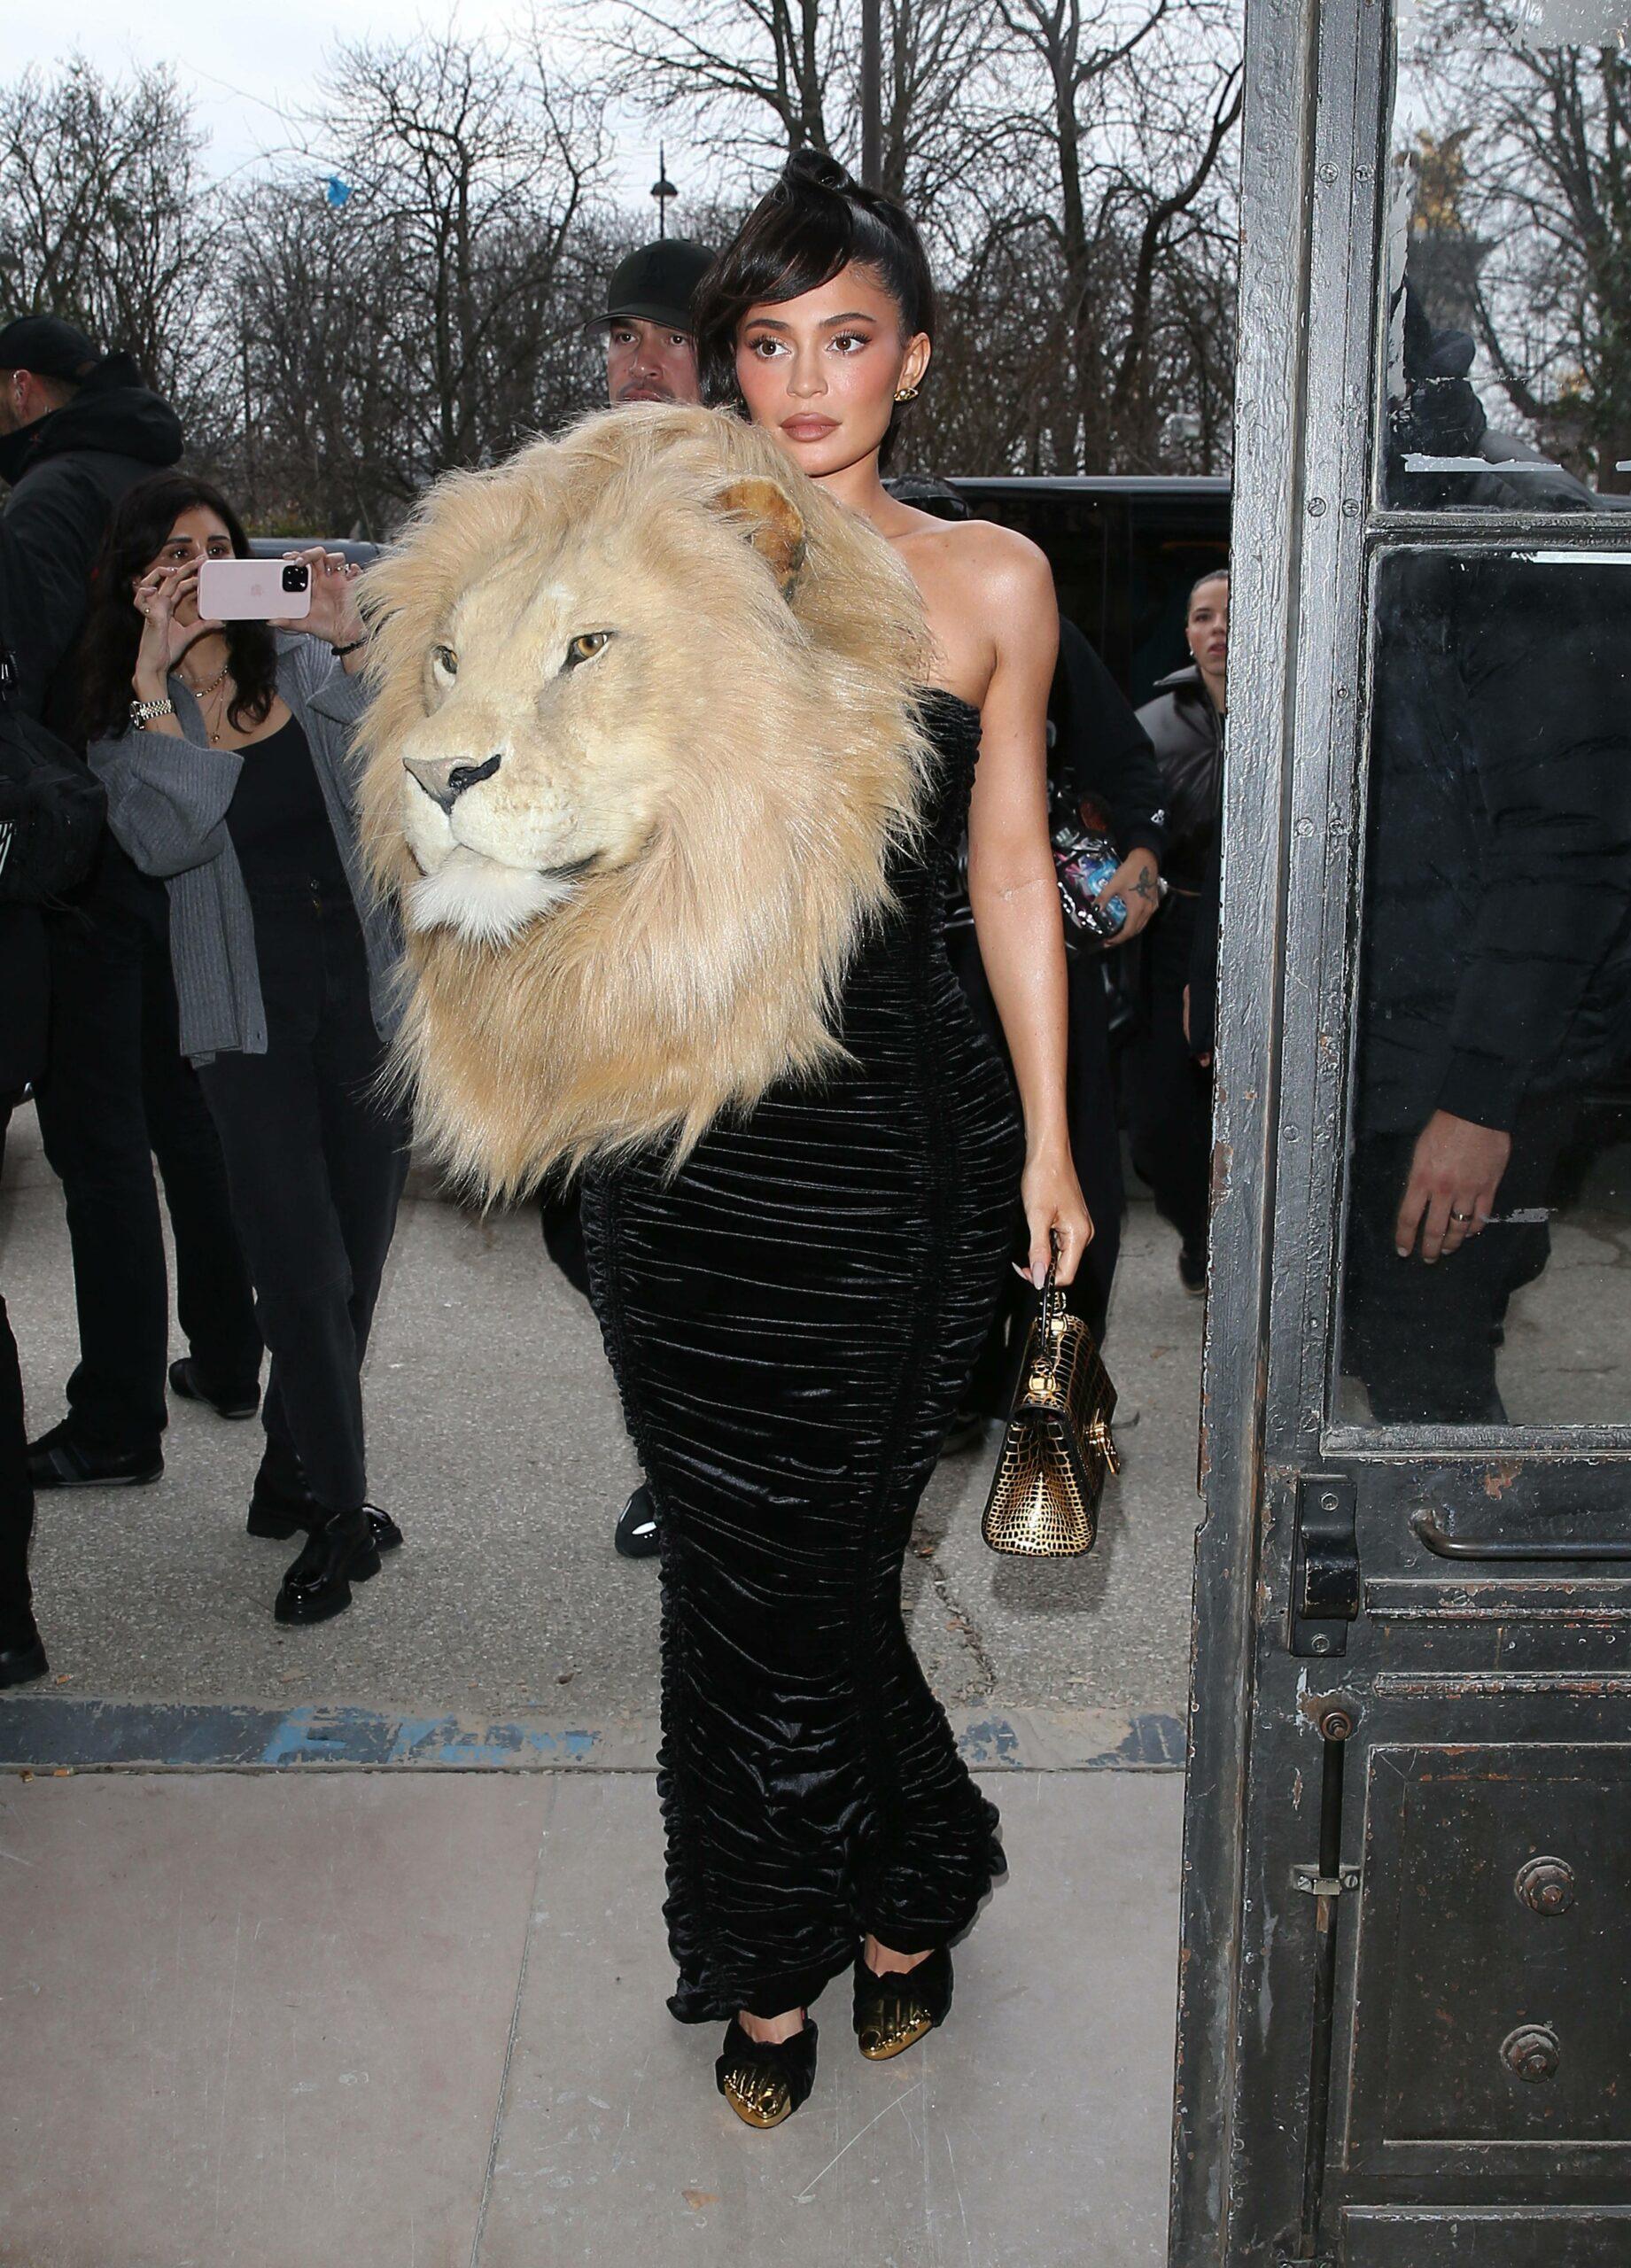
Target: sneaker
{"x":58,"y":1460}
{"x":636,"y":1532}
{"x":1192,"y":1271}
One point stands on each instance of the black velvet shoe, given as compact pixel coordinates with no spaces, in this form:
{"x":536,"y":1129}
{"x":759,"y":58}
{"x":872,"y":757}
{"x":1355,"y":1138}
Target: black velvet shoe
{"x":894,"y":2013}
{"x":58,"y":1460}
{"x":635,"y":1535}
{"x":231,"y":1401}
{"x":339,"y":1552}
{"x":22,"y":1656}
{"x":764,"y":2084}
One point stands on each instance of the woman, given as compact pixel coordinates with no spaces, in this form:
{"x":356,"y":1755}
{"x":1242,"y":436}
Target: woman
{"x":222,"y":747}
{"x":794,"y":1315}
{"x":1171,"y":1093}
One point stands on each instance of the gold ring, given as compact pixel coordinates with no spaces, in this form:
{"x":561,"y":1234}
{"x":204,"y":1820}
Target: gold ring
{"x":1461,"y":1216}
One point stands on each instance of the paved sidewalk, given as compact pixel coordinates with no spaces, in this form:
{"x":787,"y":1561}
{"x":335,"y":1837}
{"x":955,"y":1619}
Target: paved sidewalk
{"x":409,"y":2019}
{"x":496,"y":1438}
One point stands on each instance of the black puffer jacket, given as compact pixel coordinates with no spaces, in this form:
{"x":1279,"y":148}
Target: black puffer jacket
{"x":67,"y":470}
{"x":1182,"y":725}
{"x":1495,"y":957}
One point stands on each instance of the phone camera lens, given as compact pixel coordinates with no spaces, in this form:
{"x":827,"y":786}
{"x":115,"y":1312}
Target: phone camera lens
{"x":294,"y":579}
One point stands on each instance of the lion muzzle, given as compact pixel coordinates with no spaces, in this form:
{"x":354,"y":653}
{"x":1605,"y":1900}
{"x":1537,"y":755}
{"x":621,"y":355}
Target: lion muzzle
{"x":445,"y":779}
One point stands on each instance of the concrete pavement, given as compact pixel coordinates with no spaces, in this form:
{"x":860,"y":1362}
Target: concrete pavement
{"x":414,"y":2020}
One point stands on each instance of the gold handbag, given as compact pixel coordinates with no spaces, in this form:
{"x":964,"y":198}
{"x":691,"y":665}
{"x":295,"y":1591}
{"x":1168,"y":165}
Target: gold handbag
{"x":1059,"y":1449}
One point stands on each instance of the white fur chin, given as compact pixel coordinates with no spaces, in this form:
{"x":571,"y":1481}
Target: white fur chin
{"x":483,"y":901}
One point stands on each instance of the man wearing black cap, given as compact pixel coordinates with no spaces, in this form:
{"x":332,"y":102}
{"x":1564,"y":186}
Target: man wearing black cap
{"x":651,"y":344}
{"x":78,"y":430}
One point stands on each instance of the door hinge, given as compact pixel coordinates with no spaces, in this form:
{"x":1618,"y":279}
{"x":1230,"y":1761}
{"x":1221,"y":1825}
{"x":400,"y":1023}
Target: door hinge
{"x":1325,"y":1564}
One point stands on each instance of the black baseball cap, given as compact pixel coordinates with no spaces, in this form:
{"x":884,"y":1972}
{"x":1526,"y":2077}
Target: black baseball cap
{"x":656,"y":282}
{"x":48,"y":346}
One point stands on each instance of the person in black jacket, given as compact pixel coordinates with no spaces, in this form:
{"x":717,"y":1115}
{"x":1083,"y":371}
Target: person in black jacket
{"x":1169,"y":1092}
{"x":1099,"y":756}
{"x":1496,"y":956}
{"x":23,"y":981}
{"x":77,"y":429}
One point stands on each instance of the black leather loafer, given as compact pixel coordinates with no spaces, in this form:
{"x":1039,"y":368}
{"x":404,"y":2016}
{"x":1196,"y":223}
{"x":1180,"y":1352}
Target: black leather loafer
{"x":231,"y":1401}
{"x":340,"y":1552}
{"x":22,"y":1656}
{"x":635,"y":1535}
{"x":274,"y":1514}
{"x":58,"y":1460}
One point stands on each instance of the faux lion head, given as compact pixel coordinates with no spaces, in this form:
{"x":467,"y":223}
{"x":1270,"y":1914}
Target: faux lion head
{"x":643,"y":734}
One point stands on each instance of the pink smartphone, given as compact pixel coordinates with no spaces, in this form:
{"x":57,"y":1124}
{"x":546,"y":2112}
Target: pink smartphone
{"x":254,"y":590}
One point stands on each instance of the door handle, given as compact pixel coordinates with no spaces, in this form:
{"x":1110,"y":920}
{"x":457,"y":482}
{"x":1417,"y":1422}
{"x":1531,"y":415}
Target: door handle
{"x":1440,"y":1541}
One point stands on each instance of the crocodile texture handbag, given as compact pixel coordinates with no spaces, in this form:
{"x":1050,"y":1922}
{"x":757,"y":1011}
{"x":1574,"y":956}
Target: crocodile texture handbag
{"x":1058,"y":1450}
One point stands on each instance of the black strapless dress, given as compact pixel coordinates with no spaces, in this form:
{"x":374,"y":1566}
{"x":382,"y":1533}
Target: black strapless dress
{"x":792,"y":1321}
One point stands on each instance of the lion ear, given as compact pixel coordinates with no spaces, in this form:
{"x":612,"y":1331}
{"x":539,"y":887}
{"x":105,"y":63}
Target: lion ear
{"x":775,"y":526}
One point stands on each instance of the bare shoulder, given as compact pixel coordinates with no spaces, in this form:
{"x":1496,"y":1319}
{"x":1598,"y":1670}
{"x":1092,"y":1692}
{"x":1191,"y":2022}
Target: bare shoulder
{"x":980,"y":561}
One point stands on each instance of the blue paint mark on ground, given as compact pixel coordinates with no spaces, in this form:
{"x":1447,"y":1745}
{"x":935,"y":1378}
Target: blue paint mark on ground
{"x":47,"y":1732}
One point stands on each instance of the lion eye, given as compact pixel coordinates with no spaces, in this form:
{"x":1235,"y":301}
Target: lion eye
{"x":444,"y":664}
{"x":585,"y":648}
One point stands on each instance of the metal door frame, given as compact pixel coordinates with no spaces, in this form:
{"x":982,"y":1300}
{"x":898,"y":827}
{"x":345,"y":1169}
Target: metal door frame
{"x":1306,"y":522}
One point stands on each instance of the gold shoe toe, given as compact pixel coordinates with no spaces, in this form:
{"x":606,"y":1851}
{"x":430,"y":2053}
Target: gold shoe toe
{"x":758,"y":2098}
{"x":893,"y":2030}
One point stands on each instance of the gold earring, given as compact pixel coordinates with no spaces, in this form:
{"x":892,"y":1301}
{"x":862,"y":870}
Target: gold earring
{"x":906,"y":393}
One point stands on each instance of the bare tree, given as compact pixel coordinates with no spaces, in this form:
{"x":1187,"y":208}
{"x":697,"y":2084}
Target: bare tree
{"x":469,"y":168}
{"x":99,"y":185}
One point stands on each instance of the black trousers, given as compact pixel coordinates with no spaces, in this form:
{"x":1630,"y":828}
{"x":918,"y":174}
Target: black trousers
{"x":315,"y":1161}
{"x":1424,"y":1338}
{"x":116,"y":1094}
{"x":16,"y":1493}
{"x":1168,"y":1095}
{"x":1095,"y":1145}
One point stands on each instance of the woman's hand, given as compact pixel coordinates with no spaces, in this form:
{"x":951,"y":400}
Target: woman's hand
{"x":1054,"y":1209}
{"x":333,"y":614}
{"x":1137,"y":882}
{"x":164,"y":638}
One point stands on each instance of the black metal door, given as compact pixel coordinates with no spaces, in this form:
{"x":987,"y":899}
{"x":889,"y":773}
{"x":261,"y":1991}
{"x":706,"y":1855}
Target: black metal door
{"x":1405,"y":2010}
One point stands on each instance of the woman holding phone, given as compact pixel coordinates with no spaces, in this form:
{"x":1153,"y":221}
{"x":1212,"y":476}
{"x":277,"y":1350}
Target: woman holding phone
{"x":223,"y":749}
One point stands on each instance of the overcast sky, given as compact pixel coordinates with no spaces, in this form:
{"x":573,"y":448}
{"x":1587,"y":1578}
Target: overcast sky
{"x":247,"y":60}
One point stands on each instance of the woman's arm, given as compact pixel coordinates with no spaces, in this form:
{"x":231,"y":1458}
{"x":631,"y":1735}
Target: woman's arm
{"x":1014,"y":893}
{"x":166,"y":797}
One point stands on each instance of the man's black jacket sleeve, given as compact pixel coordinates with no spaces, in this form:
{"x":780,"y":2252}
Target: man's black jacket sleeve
{"x":1102,"y":750}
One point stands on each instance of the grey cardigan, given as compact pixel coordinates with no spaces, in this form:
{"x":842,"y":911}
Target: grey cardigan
{"x":166,"y":805}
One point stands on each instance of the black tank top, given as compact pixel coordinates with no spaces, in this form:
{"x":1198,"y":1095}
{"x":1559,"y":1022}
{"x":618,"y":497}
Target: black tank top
{"x":278,"y":821}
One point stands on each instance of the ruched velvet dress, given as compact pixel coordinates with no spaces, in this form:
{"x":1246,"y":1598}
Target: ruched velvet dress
{"x":792,"y":1320}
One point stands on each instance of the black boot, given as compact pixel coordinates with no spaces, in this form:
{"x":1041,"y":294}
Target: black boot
{"x":22,"y":1656}
{"x":339,"y":1551}
{"x":188,"y":1381}
{"x":764,"y":2084}
{"x":893,"y":2012}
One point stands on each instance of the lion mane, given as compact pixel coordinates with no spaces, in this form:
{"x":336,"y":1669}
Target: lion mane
{"x":632,"y":871}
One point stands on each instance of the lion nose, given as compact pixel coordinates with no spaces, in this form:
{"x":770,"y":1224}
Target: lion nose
{"x":445,"y":779}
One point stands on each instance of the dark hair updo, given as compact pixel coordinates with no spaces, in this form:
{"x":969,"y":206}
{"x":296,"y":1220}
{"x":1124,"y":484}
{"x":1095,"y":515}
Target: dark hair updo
{"x":814,"y":223}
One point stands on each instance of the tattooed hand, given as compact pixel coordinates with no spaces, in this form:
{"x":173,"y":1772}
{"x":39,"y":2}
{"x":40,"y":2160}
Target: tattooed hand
{"x":1137,"y":882}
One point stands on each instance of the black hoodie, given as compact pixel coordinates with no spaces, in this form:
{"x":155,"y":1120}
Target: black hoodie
{"x":67,"y":470}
